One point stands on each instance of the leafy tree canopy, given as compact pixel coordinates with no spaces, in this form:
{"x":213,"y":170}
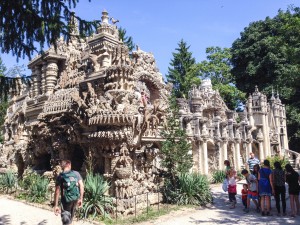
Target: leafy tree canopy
{"x":23,"y":23}
{"x":218,"y":67}
{"x":183,"y":71}
{"x":267,"y":54}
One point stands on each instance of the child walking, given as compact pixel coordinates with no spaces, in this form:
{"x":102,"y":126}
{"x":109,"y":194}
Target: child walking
{"x":244,"y":195}
{"x":232,"y":188}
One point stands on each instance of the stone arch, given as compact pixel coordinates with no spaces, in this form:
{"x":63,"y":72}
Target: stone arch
{"x":154,"y":85}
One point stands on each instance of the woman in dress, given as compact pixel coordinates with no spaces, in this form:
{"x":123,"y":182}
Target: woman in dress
{"x":265,"y":187}
{"x":292,"y":178}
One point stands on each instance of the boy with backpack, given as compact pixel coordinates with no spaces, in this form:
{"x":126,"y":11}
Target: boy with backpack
{"x":70,"y":187}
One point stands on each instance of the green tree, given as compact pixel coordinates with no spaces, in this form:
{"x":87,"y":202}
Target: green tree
{"x":24,"y":23}
{"x":127,"y":40}
{"x":183,"y":71}
{"x":267,"y":54}
{"x":218,"y":67}
{"x":176,"y":156}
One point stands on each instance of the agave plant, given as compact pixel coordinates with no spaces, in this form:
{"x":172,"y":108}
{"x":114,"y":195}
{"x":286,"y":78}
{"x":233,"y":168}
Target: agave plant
{"x":191,"y":189}
{"x":95,"y":202}
{"x":8,"y":180}
{"x":218,"y":176}
{"x":38,"y":190}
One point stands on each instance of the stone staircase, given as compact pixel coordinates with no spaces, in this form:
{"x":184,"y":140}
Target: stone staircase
{"x":293,"y":157}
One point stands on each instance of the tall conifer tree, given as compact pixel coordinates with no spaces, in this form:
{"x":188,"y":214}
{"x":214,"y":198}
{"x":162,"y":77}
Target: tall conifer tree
{"x":183,"y":71}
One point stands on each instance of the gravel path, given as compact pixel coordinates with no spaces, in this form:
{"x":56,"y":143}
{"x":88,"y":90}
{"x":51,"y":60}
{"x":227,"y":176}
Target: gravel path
{"x":19,"y":213}
{"x":220,"y":213}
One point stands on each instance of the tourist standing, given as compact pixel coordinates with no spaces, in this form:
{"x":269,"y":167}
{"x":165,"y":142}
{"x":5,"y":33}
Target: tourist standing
{"x":70,"y":187}
{"x":252,"y":190}
{"x":279,"y":187}
{"x":232,"y":188}
{"x":292,"y":178}
{"x":252,"y":161}
{"x":265,"y":187}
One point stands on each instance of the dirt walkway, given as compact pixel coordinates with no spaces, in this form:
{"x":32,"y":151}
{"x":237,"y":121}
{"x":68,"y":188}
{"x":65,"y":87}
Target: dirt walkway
{"x":219,"y":213}
{"x":18,"y":213}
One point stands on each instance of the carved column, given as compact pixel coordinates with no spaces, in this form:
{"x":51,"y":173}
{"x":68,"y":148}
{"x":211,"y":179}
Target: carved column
{"x":232,"y":148}
{"x":51,"y":76}
{"x":238,"y":154}
{"x":205,"y":157}
{"x":260,"y":139}
{"x":200,"y":157}
{"x":38,"y":87}
{"x":224,"y":150}
{"x":43,"y":78}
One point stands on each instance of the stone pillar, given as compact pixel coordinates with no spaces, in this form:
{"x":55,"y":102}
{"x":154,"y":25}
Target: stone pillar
{"x":233,"y":154}
{"x":224,"y":150}
{"x":200,"y":157}
{"x":249,"y":149}
{"x":261,"y":150}
{"x":205,"y":157}
{"x":34,"y":83}
{"x":43,"y":78}
{"x":38,"y":88}
{"x":51,"y":76}
{"x":238,"y":155}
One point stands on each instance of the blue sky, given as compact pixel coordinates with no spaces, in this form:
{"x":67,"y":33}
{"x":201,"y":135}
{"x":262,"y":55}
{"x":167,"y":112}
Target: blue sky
{"x":158,"y":25}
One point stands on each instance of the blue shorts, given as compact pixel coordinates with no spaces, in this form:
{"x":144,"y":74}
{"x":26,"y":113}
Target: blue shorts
{"x":253,"y":195}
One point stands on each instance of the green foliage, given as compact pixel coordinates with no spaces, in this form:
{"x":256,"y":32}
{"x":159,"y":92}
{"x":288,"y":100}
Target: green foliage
{"x":25,"y":23}
{"x":217,"y":67}
{"x":95,"y":202}
{"x":127,"y":40}
{"x":38,"y":189}
{"x":8,"y":181}
{"x":183,"y":71}
{"x":218,"y":176}
{"x":175,"y":151}
{"x":28,"y":179}
{"x":281,"y":159}
{"x":267,"y":54}
{"x":190,"y":188}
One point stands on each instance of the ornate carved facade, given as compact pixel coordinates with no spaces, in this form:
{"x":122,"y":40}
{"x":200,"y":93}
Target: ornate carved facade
{"x":218,"y":134}
{"x":93,"y":99}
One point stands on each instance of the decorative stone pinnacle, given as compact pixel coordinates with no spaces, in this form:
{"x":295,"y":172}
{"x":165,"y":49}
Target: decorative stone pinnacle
{"x":104,"y":16}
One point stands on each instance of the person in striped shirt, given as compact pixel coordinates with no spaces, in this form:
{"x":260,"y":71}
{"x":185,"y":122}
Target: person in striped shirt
{"x":252,"y":161}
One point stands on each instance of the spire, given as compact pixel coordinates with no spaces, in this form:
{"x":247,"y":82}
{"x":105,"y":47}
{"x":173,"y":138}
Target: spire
{"x":104,"y":16}
{"x":272,"y":98}
{"x":256,"y":88}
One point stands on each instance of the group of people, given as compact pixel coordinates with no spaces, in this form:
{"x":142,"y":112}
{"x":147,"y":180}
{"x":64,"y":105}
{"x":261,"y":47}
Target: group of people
{"x":262,"y":183}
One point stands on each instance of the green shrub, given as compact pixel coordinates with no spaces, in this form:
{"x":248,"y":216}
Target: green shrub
{"x":218,"y":176}
{"x":38,"y":190}
{"x":95,"y":203}
{"x":189,"y":189}
{"x":281,"y":159}
{"x":8,"y":180}
{"x":27,"y":180}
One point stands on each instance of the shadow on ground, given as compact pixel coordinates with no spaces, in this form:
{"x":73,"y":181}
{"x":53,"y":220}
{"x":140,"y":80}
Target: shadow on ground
{"x":237,"y":216}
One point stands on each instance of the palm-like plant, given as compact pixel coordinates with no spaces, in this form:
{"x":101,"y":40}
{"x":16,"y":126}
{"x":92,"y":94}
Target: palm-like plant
{"x":218,"y":176}
{"x":191,"y":189}
{"x":8,"y":180}
{"x":95,"y":202}
{"x":38,"y":190}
